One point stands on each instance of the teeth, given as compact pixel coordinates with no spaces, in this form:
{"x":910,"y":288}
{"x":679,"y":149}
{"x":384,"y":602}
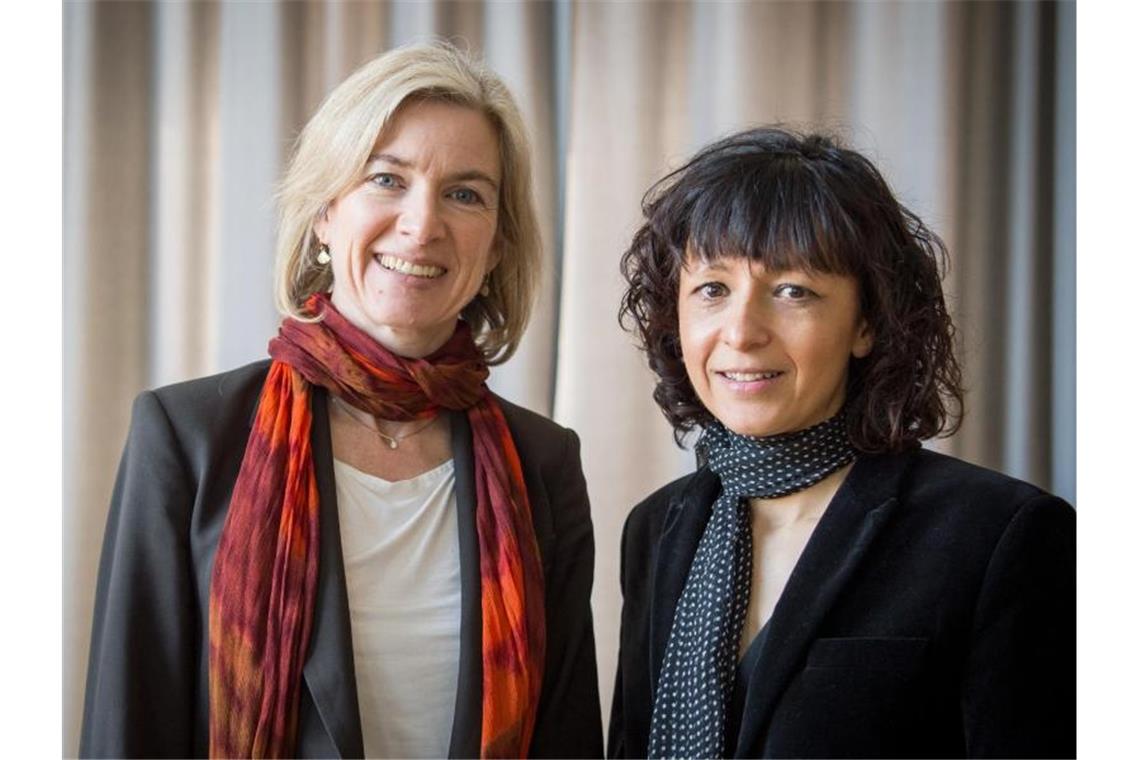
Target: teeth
{"x":407,"y":267}
{"x":748,"y":377}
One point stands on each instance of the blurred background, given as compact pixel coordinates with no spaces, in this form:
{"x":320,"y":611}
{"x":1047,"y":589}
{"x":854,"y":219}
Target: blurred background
{"x":179,"y":117}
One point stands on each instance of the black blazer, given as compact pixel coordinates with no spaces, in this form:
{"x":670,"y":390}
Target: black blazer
{"x":146,"y":682}
{"x":931,"y":614}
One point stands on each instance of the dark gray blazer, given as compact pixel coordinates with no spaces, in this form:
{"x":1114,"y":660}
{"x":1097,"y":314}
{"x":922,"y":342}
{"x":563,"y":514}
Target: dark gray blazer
{"x":146,"y":683}
{"x":931,"y":614}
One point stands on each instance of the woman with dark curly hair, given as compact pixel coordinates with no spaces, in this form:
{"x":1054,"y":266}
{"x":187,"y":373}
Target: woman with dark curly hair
{"x":822,"y":586}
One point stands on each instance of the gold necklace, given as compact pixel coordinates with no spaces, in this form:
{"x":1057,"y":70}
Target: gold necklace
{"x":393,"y":440}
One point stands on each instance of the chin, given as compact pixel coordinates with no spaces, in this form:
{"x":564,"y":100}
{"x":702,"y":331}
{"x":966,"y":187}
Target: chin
{"x":764,"y":425}
{"x":753,"y":427}
{"x":394,"y":313}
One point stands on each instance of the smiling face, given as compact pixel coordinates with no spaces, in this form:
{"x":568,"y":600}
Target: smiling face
{"x":412,"y":241}
{"x":767,"y":352}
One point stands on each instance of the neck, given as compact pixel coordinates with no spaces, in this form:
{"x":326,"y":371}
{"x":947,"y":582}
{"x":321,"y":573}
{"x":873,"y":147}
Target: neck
{"x":411,"y":342}
{"x":801,"y":506}
{"x":774,"y":467}
{"x":395,"y":428}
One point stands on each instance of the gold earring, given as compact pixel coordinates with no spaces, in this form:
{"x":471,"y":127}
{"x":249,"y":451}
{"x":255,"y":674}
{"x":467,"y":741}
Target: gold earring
{"x":323,"y":256}
{"x":486,"y":289}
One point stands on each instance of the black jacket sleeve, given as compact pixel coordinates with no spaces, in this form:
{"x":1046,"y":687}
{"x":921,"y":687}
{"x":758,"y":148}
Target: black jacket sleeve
{"x":569,"y":722}
{"x":615,"y":741}
{"x":141,"y":676}
{"x":1019,"y":690}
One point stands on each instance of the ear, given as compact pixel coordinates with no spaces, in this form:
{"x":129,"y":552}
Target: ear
{"x":864,"y":340}
{"x":321,"y":225}
{"x":495,"y":258}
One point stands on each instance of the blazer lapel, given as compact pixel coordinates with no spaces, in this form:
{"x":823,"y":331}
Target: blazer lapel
{"x":857,"y":512}
{"x":684,"y":525}
{"x":329,"y":670}
{"x":467,"y":726}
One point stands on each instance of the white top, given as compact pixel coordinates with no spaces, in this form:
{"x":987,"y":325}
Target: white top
{"x":401,"y":561}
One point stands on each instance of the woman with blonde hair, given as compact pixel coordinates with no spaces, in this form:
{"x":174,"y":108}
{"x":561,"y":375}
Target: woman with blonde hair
{"x":355,"y":548}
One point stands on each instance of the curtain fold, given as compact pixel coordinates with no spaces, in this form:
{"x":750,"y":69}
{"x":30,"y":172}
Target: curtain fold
{"x":107,"y":153}
{"x":184,"y":172}
{"x":179,"y":118}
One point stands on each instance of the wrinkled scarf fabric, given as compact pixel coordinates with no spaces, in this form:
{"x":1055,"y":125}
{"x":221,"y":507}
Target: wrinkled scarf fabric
{"x":698,"y":671}
{"x":265,"y":572}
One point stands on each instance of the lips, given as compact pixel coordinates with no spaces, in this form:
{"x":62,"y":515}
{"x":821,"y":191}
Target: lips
{"x":402,"y":266}
{"x":749,"y":376}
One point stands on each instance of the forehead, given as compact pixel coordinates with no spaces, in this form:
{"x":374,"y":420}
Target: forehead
{"x":737,"y":267}
{"x":432,"y":134}
{"x":757,"y":263}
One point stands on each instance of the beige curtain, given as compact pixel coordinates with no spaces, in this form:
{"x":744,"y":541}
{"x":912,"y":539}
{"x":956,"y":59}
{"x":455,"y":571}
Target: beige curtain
{"x":179,"y":116}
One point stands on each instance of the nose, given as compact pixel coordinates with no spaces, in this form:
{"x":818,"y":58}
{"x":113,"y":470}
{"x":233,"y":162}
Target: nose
{"x":420,"y":218}
{"x":746,"y":325}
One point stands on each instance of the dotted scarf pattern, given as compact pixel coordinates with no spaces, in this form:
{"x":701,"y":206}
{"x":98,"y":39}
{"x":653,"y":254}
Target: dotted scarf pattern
{"x":698,"y":671}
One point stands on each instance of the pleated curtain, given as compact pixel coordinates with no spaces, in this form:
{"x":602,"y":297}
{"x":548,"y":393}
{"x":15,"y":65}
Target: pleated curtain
{"x":179,"y":118}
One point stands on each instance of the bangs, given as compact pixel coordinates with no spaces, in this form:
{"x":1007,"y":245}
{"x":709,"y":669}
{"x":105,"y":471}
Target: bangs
{"x":776,"y":210}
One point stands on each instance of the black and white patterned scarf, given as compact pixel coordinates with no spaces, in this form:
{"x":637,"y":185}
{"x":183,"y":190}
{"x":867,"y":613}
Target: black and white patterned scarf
{"x":698,"y":672}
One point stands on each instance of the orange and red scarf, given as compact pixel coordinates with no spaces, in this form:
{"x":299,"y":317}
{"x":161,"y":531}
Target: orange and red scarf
{"x":265,"y":572}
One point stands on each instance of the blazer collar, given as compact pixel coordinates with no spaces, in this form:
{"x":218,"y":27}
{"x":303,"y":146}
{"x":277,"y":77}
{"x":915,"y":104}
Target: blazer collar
{"x":467,"y":726}
{"x":856,"y":513}
{"x":329,"y":670}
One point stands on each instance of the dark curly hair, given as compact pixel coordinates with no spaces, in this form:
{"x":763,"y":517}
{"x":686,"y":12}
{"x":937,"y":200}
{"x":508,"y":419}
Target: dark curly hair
{"x":792,"y":201}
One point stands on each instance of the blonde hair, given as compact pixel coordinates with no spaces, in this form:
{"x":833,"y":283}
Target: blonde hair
{"x":333,"y":149}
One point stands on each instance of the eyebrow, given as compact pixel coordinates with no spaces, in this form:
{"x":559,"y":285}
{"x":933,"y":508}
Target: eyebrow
{"x":467,"y":175}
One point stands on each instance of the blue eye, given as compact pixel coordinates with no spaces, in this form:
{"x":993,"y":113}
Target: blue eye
{"x":385,"y":180}
{"x":466,"y":196}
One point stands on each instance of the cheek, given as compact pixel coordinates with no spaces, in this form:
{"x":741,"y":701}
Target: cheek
{"x":473,"y":239}
{"x":823,"y":361}
{"x":480,"y":239}
{"x":359,"y":220}
{"x":695,"y":341}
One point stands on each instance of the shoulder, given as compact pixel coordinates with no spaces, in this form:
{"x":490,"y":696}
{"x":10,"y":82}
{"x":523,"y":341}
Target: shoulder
{"x":204,"y":412}
{"x":647,"y":519}
{"x":539,"y":438}
{"x":951,"y":497}
{"x":684,"y":500}
{"x":935,"y":477}
{"x":528,"y":425}
{"x":560,"y":505}
{"x":214,"y":392}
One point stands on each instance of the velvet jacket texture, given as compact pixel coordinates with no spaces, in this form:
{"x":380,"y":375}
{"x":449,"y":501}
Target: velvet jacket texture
{"x":147,"y":676}
{"x":931,"y":614}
